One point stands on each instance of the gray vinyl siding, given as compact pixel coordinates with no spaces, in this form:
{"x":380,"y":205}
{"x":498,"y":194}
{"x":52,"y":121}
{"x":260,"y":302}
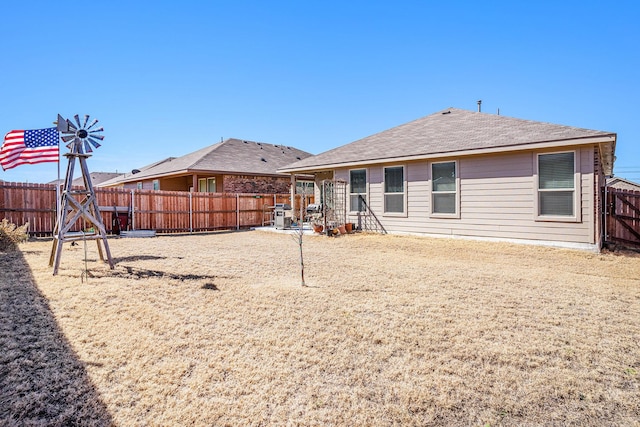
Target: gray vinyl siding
{"x":497,"y":199}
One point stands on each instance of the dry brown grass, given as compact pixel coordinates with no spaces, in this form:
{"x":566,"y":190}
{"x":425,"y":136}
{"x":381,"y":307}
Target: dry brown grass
{"x":216,"y":330}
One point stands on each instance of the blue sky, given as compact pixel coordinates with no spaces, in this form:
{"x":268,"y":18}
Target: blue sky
{"x":168,"y":78}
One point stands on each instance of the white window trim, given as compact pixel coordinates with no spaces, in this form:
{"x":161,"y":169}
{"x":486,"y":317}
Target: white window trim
{"x":433,"y":214}
{"x":577,"y":190}
{"x":366,"y":191}
{"x":404,"y":212}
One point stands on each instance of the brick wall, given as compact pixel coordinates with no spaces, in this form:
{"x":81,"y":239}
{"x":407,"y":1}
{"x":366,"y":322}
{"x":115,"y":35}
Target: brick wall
{"x":252,"y":184}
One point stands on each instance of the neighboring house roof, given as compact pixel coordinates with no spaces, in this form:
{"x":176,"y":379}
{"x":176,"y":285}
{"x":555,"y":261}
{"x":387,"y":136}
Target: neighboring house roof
{"x":96,"y":178}
{"x":233,"y":156}
{"x":453,"y":132}
{"x":623,"y":184}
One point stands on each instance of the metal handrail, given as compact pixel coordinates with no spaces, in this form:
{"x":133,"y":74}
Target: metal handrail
{"x":371,"y":221}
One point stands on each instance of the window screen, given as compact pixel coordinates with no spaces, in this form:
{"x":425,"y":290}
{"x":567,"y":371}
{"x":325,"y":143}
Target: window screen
{"x":394,"y":189}
{"x":443,"y":187}
{"x":556,"y":184}
{"x":358,"y":189}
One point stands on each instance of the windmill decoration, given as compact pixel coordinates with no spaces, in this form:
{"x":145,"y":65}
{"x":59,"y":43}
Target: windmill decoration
{"x":79,"y":137}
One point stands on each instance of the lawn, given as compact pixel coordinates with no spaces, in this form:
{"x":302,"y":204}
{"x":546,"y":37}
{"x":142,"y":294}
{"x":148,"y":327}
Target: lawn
{"x":392,"y":330}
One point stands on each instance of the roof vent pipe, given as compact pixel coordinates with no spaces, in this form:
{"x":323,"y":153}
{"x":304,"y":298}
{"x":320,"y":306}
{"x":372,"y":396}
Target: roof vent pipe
{"x":479,"y":105}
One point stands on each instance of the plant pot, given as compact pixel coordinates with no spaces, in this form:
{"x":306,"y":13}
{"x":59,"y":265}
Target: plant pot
{"x":317,"y":228}
{"x":342,"y":229}
{"x":349,"y":227}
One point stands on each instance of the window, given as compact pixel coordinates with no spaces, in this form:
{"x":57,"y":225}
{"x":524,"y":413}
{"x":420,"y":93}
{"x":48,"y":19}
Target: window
{"x":304,"y":187}
{"x":443,"y":188}
{"x":556,"y":184}
{"x":156,"y":184}
{"x":394,"y":189}
{"x":207,"y":185}
{"x":357,"y":190}
{"x":139,"y":185}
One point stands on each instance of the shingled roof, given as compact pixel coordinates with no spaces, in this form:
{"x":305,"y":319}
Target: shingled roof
{"x":233,"y":156}
{"x":446,"y":132}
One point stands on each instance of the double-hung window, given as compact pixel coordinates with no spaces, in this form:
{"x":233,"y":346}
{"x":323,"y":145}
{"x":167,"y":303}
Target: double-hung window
{"x":357,"y":190}
{"x":394,"y":189}
{"x":444,"y":188}
{"x":557,"y":185}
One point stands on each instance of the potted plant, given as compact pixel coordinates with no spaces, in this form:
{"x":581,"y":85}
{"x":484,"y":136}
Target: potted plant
{"x":317,"y":223}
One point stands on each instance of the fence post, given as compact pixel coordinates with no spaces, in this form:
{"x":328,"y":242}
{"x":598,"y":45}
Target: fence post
{"x":133,"y":211}
{"x":190,"y":212}
{"x":237,"y":211}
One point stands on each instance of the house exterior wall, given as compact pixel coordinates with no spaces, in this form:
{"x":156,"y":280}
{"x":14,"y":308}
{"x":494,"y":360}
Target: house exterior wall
{"x":146,"y":185}
{"x":498,"y":199}
{"x":255,"y":184}
{"x":179,"y":183}
{"x":224,"y":183}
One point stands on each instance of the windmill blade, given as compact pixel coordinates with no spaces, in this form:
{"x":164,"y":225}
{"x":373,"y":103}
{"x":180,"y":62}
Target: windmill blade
{"x":61,"y":124}
{"x":95,"y":143}
{"x":80,"y":135}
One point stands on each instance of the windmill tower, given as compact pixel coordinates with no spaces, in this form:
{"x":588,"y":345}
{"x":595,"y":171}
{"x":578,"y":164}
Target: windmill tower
{"x":77,"y":204}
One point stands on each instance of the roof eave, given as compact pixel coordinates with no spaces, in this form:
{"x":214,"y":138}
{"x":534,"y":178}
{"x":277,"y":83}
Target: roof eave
{"x":607,"y":156}
{"x":589,"y":140}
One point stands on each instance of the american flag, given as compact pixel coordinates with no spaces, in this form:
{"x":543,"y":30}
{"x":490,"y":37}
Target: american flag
{"x":29,"y":146}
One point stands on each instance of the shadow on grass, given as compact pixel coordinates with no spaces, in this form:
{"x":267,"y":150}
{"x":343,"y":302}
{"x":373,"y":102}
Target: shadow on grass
{"x":129,"y":272}
{"x":134,"y":258}
{"x":42,"y":380}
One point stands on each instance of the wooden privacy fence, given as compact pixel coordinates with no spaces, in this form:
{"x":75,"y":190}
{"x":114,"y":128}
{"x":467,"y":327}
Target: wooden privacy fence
{"x":623,"y":216}
{"x":162,"y":211}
